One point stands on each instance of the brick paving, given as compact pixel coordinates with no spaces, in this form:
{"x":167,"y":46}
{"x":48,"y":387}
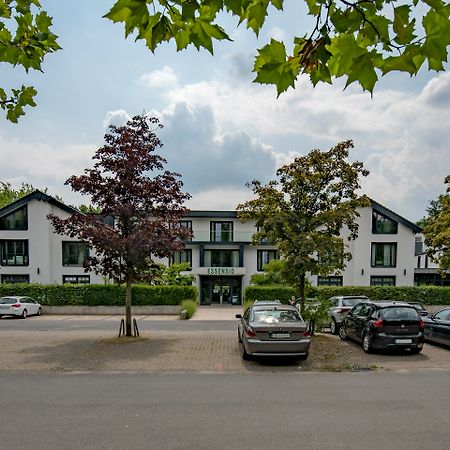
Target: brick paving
{"x":184,"y":351}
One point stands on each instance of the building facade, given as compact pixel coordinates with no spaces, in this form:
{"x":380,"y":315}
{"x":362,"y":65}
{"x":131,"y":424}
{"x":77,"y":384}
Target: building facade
{"x":220,"y":252}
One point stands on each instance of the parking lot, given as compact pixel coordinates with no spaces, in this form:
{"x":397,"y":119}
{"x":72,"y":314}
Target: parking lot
{"x":166,"y":344}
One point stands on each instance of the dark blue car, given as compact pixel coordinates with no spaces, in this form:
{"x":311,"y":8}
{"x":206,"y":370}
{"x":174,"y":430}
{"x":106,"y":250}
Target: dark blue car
{"x":437,"y":327}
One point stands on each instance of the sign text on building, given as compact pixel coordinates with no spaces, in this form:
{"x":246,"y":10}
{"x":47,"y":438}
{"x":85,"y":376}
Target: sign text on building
{"x":220,"y":270}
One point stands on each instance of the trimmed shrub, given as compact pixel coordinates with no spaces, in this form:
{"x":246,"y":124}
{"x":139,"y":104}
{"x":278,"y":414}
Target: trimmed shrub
{"x":427,"y":295}
{"x":100,"y":294}
{"x":282,"y":293}
{"x":190,"y":306}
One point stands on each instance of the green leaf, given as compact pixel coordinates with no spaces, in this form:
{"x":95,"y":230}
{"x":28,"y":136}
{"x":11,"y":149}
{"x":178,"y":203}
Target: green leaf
{"x":403,"y":27}
{"x":272,"y":68}
{"x":363,"y":71}
{"x":256,"y":15}
{"x":344,"y":50}
{"x":437,"y":40}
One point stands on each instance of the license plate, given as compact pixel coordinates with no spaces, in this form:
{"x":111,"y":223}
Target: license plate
{"x":280,"y":335}
{"x":403,"y":341}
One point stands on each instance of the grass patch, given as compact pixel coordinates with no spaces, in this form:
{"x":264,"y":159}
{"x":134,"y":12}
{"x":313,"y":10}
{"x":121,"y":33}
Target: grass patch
{"x":190,"y":306}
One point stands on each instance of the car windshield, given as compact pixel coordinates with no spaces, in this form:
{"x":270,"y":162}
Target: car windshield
{"x":399,"y":313}
{"x":275,"y":316}
{"x":7,"y":301}
{"x":352,"y":301}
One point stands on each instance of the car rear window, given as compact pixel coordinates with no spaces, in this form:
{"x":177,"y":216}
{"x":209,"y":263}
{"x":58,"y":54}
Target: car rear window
{"x":275,"y":316}
{"x":7,"y":301}
{"x":352,"y":301}
{"x":399,"y":313}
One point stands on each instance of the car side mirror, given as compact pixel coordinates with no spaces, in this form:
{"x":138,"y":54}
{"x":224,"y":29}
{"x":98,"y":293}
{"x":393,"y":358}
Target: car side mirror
{"x":238,"y":316}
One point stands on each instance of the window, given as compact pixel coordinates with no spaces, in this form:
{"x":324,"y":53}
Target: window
{"x":384,"y":255}
{"x":77,"y":279}
{"x":418,"y":262}
{"x":182,"y":256}
{"x":14,"y":253}
{"x":74,"y":253}
{"x":17,"y":220}
{"x":329,"y":281}
{"x":221,"y":231}
{"x":382,"y":281}
{"x":12,"y":279}
{"x":382,"y":225}
{"x":186,"y":224}
{"x":221,"y":258}
{"x":263,"y":257}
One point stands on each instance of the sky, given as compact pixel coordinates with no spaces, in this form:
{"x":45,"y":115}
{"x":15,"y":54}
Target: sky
{"x":221,"y":130}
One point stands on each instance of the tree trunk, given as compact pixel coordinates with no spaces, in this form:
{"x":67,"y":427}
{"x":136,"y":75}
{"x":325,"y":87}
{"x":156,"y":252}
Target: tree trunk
{"x":128,"y":328}
{"x":301,"y":289}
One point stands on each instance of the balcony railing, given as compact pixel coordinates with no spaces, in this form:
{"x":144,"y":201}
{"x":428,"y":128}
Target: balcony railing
{"x":220,"y":237}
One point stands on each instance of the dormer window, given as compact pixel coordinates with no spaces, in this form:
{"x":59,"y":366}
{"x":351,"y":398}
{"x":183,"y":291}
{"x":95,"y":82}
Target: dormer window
{"x":17,"y":220}
{"x":382,"y":224}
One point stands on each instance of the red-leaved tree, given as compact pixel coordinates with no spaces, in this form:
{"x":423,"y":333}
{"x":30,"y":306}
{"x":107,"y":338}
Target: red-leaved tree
{"x":129,"y":184}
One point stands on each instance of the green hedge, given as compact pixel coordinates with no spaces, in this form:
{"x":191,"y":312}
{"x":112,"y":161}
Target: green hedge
{"x":100,"y":294}
{"x":428,"y":295}
{"x":282,"y":293}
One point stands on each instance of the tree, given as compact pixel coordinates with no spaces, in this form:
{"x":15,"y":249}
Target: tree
{"x":25,"y":39}
{"x":8,"y":194}
{"x":433,"y":210}
{"x":356,"y":39}
{"x":272,"y":274}
{"x":437,"y":231}
{"x":146,"y":209}
{"x":304,"y":213}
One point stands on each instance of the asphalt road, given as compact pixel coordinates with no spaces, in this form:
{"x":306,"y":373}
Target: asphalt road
{"x":386,"y":410}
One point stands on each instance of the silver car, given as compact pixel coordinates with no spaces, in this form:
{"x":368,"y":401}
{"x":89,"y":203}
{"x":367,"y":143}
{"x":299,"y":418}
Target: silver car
{"x":273,"y":330}
{"x":340,"y":306}
{"x":19,"y":306}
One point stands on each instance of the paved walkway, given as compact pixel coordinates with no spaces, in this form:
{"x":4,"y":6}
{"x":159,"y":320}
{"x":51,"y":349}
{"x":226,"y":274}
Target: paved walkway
{"x":217,"y":312}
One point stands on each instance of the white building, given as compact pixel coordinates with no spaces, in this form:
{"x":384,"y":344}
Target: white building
{"x":30,"y":250}
{"x":220,"y":252}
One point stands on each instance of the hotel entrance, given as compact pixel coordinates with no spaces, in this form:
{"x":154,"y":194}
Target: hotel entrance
{"x":220,"y":290}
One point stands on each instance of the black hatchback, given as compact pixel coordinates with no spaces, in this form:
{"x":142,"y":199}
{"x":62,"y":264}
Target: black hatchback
{"x":384,"y":325}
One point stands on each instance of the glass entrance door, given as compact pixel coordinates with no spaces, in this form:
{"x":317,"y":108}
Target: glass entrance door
{"x":220,"y":290}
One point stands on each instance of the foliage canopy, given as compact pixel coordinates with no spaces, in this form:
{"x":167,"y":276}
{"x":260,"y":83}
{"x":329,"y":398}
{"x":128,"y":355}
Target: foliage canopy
{"x":356,"y":39}
{"x":129,"y":184}
{"x":304,"y":213}
{"x":437,"y":231}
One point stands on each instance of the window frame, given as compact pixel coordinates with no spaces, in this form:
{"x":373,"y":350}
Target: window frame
{"x":186,"y":251}
{"x":373,"y":254}
{"x":7,"y":275}
{"x":376,"y":215}
{"x":384,"y":278}
{"x":259,"y":260}
{"x":23,"y":227}
{"x":339,"y":278}
{"x":78,"y":277}
{"x":214,"y":233}
{"x":4,"y":259}
{"x":86,"y":255}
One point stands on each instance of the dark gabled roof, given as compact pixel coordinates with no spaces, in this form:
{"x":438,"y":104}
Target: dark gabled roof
{"x":36,"y":195}
{"x":394,"y":216}
{"x":213,"y":214}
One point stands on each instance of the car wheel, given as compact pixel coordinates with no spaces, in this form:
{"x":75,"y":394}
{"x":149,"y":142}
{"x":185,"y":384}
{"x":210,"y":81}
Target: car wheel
{"x":366,"y":343}
{"x":244,"y":354}
{"x":342,"y":332}
{"x":303,"y":357}
{"x":39,"y":313}
{"x":416,"y":350}
{"x":24,"y":314}
{"x":334,"y":327}
{"x":239,"y":338}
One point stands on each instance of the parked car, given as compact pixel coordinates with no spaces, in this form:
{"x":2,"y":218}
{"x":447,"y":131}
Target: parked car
{"x":273,"y":330}
{"x":19,"y":306}
{"x":420,"y":308}
{"x":384,"y":325}
{"x":340,"y":306}
{"x":437,"y":327}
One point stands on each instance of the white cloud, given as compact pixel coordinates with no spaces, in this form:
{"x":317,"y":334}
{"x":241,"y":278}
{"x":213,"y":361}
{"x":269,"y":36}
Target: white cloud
{"x":277,"y":33}
{"x":163,"y":79}
{"x":118,"y":117}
